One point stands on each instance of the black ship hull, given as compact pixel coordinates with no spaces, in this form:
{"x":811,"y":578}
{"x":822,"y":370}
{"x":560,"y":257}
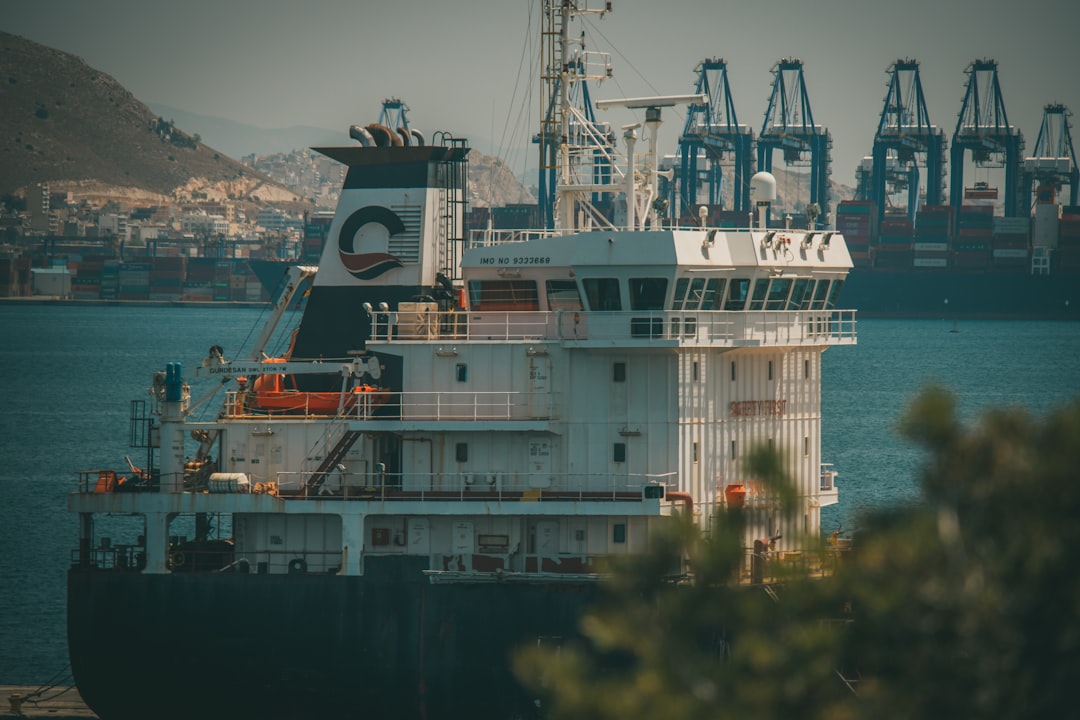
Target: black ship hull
{"x":950,"y":294}
{"x":389,"y":644}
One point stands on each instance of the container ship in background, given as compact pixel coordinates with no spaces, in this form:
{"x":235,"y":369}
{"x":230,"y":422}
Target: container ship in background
{"x":972,"y":263}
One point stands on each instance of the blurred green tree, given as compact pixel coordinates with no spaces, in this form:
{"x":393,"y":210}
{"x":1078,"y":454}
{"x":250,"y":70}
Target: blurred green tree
{"x":965,"y":605}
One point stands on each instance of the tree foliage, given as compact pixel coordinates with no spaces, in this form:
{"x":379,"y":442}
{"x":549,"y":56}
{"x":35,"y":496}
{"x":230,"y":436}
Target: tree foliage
{"x":964,"y":605}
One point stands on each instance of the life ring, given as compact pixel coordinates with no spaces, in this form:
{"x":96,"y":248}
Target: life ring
{"x":178,"y":559}
{"x":297,"y":566}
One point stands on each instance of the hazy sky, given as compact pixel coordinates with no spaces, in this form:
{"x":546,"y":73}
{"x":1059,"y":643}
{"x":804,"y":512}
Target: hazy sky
{"x":469,"y":66}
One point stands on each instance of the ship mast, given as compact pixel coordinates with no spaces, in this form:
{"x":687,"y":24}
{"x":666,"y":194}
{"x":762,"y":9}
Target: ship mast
{"x":571,"y":140}
{"x":583,"y":148}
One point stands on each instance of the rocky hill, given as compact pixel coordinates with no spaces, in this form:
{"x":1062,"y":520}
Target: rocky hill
{"x":65,"y":123}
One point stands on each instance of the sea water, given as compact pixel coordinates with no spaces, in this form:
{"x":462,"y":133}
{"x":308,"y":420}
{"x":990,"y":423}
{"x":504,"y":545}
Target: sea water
{"x":68,"y":373}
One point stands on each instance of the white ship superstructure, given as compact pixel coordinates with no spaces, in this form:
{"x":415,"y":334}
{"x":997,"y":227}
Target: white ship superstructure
{"x":458,"y":439}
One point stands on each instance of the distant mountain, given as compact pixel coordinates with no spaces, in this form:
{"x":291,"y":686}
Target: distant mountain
{"x":237,"y":139}
{"x":62,"y":121}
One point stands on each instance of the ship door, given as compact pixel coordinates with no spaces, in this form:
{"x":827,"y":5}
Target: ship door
{"x":547,"y":538}
{"x":539,"y":386}
{"x":388,"y":460}
{"x":417,"y":457}
{"x":539,"y":463}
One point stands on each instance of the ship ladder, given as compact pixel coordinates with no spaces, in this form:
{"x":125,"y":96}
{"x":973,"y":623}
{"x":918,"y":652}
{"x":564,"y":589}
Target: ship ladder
{"x":317,"y":478}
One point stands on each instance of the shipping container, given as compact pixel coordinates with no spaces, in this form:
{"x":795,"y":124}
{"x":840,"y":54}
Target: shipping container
{"x":897,"y":257}
{"x":856,"y":207}
{"x":970,"y":259}
{"x":1012,"y":225}
{"x":930,"y":247}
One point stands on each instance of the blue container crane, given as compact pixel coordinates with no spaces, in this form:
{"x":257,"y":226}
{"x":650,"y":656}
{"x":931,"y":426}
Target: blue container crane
{"x":712,"y":133}
{"x":789,"y":126}
{"x":983,"y":129}
{"x":904,"y":132}
{"x":1053,"y":164}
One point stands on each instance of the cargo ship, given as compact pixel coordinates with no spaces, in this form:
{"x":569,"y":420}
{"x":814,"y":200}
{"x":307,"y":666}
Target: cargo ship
{"x":966,"y":262}
{"x":459,"y":439}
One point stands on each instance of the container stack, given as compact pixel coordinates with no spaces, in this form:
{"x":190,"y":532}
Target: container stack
{"x":729,"y":219}
{"x":856,"y":220}
{"x":167,"y":278}
{"x":896,"y":241}
{"x":314,"y":239}
{"x":1067,"y":257}
{"x":86,"y":283}
{"x":110,"y":279}
{"x":975,"y":232}
{"x":1011,"y":246}
{"x":518,"y":216}
{"x":134,"y":281}
{"x":933,"y":236}
{"x":223,"y":286}
{"x":199,"y":286}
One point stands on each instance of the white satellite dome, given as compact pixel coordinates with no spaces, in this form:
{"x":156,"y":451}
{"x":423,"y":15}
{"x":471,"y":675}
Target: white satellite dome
{"x":762,"y":187}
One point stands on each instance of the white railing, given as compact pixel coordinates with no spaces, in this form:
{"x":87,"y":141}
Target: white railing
{"x":245,"y":404}
{"x":415,"y":405}
{"x":466,"y":405}
{"x":700,"y":328}
{"x":498,"y":486}
{"x":491,"y":238}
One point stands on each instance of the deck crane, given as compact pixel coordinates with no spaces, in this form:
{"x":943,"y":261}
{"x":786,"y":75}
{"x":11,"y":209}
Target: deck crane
{"x":572,"y":139}
{"x":983,"y":129}
{"x":904,"y":132}
{"x":1053,"y":164}
{"x":789,"y":126}
{"x":712,"y":133}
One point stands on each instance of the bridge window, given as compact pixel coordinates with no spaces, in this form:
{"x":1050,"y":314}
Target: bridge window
{"x":713,"y":295}
{"x":677,"y":303}
{"x":698,"y":294}
{"x":761,"y":289}
{"x":738,"y":289}
{"x":602,"y":293}
{"x":648,"y":293}
{"x":798,"y":292}
{"x":820,"y":293}
{"x":503,"y":295}
{"x":778,"y":294}
{"x":834,"y":294}
{"x":563,"y":295}
{"x":808,"y":296}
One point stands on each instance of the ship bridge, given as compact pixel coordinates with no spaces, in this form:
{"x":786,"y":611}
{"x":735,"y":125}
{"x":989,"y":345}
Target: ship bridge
{"x":699,"y":287}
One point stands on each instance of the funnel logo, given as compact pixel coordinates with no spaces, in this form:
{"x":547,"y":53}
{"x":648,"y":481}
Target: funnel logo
{"x":369,"y":227}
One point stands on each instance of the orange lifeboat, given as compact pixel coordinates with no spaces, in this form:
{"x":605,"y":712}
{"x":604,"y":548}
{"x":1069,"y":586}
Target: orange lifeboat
{"x":278,"y":393}
{"x":274,"y":399}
